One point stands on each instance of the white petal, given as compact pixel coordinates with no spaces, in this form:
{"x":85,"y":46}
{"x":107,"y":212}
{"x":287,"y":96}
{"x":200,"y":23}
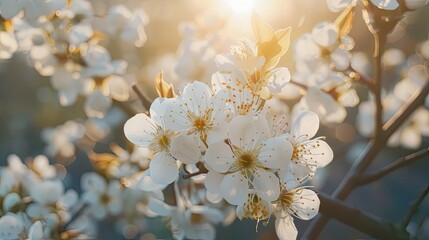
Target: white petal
{"x":325,"y":34}
{"x":341,"y":59}
{"x":97,"y":104}
{"x":386,"y":4}
{"x":140,"y":130}
{"x":80,"y":33}
{"x":119,"y":89}
{"x":266,"y":185}
{"x":244,"y":131}
{"x":276,"y":153}
{"x":219,"y":156}
{"x":307,"y":123}
{"x":146,"y":183}
{"x":10,"y":201}
{"x":9,"y":9}
{"x":8,"y":45}
{"x":36,"y":231}
{"x":197,"y":95}
{"x":213,"y":181}
{"x":158,"y":109}
{"x":224,"y":64}
{"x":278,"y":79}
{"x":338,"y":5}
{"x":93,"y":182}
{"x":159,"y":207}
{"x":163,"y":169}
{"x":176,"y":116}
{"x":10,"y":227}
{"x":234,"y":188}
{"x":285,"y":229}
{"x":185,"y":149}
{"x":322,"y":154}
{"x":306,"y":204}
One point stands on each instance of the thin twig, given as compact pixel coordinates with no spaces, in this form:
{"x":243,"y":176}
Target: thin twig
{"x":201,"y":170}
{"x":348,"y":184}
{"x":77,"y":214}
{"x":144,"y":98}
{"x":406,"y":110}
{"x":364,"y":222}
{"x":130,"y":112}
{"x":414,"y":207}
{"x":376,"y":89}
{"x":300,"y":85}
{"x":402,"y":162}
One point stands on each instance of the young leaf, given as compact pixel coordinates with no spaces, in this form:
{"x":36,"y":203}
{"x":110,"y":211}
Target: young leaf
{"x":164,"y":89}
{"x":345,"y":20}
{"x":261,"y":29}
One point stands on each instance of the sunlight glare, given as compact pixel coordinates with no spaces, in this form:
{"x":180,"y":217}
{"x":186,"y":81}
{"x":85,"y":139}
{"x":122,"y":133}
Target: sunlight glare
{"x":242,"y":6}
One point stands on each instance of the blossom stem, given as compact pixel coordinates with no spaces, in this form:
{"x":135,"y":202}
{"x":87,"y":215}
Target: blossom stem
{"x":144,"y":98}
{"x":402,"y":162}
{"x":353,"y":217}
{"x":201,"y":170}
{"x":414,"y":207}
{"x":300,"y":85}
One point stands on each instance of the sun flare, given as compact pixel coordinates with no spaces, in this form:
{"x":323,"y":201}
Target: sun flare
{"x":242,"y":6}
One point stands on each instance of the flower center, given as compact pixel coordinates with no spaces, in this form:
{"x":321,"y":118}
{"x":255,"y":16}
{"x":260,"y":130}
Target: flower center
{"x":163,"y":141}
{"x":255,"y":209}
{"x":286,"y":198}
{"x":196,"y":218}
{"x":246,"y":160}
{"x":200,"y":123}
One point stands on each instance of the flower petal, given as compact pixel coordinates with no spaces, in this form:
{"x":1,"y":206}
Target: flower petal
{"x":307,"y":123}
{"x":285,"y":229}
{"x":185,"y":149}
{"x":234,"y":188}
{"x":244,"y":131}
{"x":163,"y":169}
{"x":276,"y":153}
{"x":197,"y":96}
{"x":322,"y":155}
{"x":219,"y":156}
{"x":305,"y":204}
{"x":140,"y":130}
{"x":212,"y":181}
{"x":266,"y":185}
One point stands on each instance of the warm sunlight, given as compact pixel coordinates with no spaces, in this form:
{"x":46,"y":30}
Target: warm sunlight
{"x":242,"y":6}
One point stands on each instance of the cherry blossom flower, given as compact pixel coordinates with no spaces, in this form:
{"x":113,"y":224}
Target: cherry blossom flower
{"x":296,"y":202}
{"x":151,"y":133}
{"x":308,"y":154}
{"x":187,"y":220}
{"x":198,"y":114}
{"x":104,"y":197}
{"x":246,"y":160}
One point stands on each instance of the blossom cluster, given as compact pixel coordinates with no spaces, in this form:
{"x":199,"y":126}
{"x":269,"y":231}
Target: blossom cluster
{"x":77,"y":47}
{"x":253,"y":158}
{"x":35,"y":204}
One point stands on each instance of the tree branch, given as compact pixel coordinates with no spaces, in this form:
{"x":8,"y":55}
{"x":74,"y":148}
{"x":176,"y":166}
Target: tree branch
{"x":402,"y":162}
{"x":414,"y":207}
{"x":371,"y":151}
{"x":364,"y":222}
{"x":144,"y":98}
